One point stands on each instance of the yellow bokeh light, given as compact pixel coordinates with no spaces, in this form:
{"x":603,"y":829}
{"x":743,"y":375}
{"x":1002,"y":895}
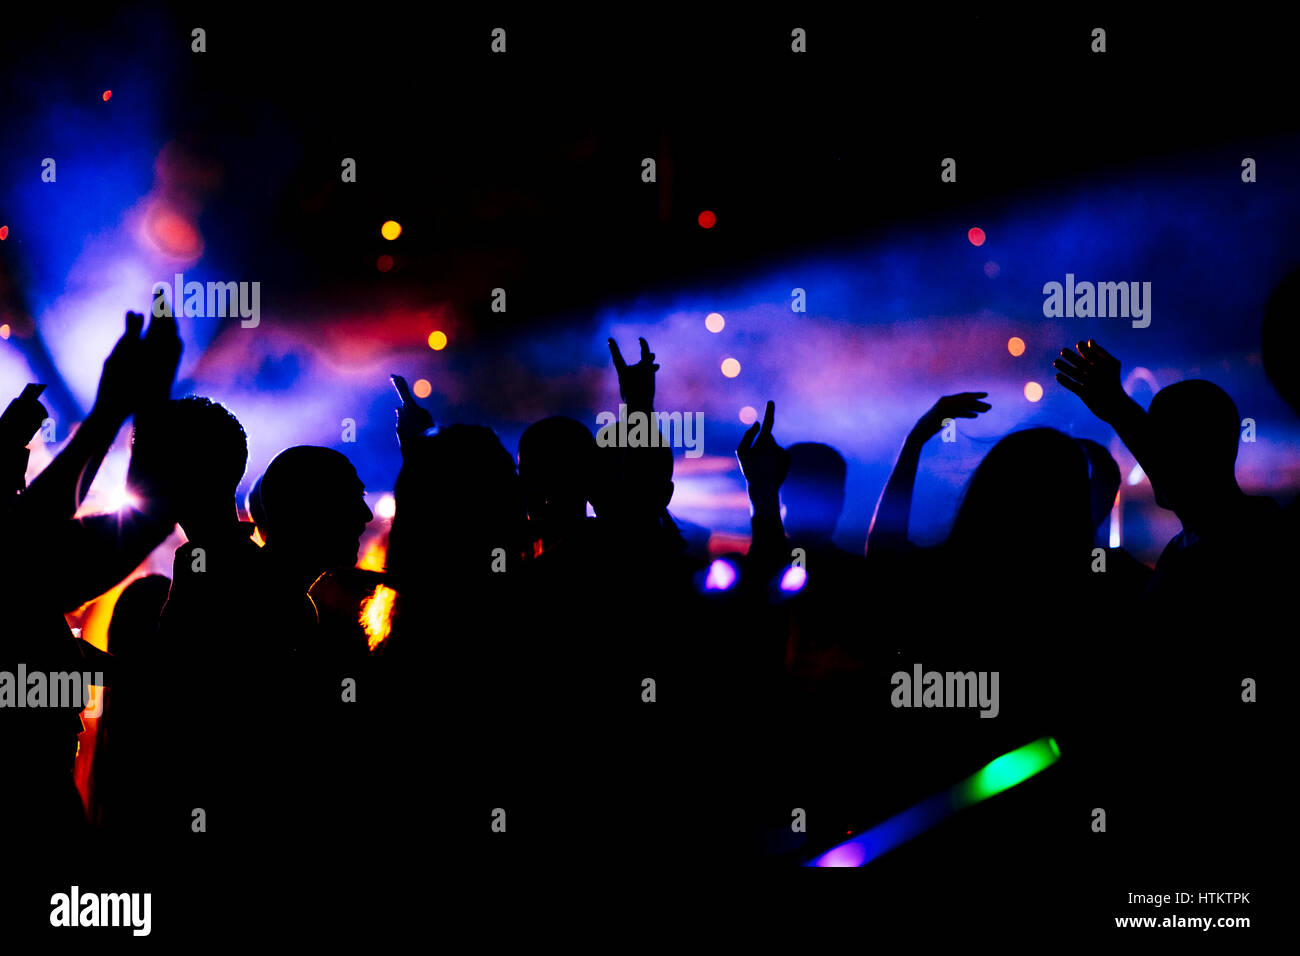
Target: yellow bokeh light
{"x":1016,"y":345}
{"x":437,"y":340}
{"x":714,"y":322}
{"x":4,"y":331}
{"x":730,"y":368}
{"x":1033,"y":391}
{"x":422,"y":388}
{"x":390,"y":230}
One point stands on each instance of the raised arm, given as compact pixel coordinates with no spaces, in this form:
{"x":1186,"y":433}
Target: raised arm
{"x":95,"y":553}
{"x":765,"y":465}
{"x":413,"y":419}
{"x":894,"y":509}
{"x":1093,"y":374}
{"x":58,"y":491}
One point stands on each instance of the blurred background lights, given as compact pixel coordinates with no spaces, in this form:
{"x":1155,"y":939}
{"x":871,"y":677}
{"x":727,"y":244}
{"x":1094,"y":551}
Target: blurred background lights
{"x":1016,"y":345}
{"x":707,"y":219}
{"x":730,"y":367}
{"x":1033,"y":391}
{"x":422,"y":388}
{"x":748,"y":415}
{"x":721,"y":576}
{"x":386,"y":506}
{"x":390,"y":230}
{"x":714,"y":322}
{"x":384,"y":263}
{"x":107,"y":95}
{"x":976,"y":236}
{"x":437,"y":340}
{"x":794,"y":579}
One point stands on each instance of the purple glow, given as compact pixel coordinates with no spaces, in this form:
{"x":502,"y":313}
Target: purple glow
{"x":794,"y":579}
{"x":721,"y":576}
{"x":848,"y":854}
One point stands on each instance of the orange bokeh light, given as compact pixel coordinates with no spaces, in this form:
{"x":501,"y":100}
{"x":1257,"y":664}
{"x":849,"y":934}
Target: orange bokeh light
{"x":1016,"y":345}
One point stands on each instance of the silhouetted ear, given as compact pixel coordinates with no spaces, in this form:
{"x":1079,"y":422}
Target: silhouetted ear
{"x":668,"y":495}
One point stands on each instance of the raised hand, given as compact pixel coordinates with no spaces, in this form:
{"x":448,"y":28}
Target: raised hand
{"x":961,"y":405}
{"x":23,"y":417}
{"x":140,"y":370}
{"x":1092,"y":373}
{"x":764,"y":463}
{"x":160,"y":354}
{"x":413,"y":419}
{"x":116,"y":397}
{"x":636,"y":383}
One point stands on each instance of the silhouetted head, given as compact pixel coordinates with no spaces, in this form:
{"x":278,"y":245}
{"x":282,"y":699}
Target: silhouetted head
{"x":457,"y":495}
{"x":633,"y":486}
{"x":813,"y":492}
{"x":134,"y":624}
{"x":1028,"y":500}
{"x":1103,"y":479}
{"x":1196,"y":430}
{"x":310,"y":508}
{"x":1280,"y":339}
{"x":555,"y":464}
{"x":206,"y":452}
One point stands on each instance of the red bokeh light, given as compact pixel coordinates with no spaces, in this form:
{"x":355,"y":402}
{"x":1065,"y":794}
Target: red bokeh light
{"x":385,"y":263}
{"x":976,"y":236}
{"x":107,"y":95}
{"x":4,"y":232}
{"x":708,"y":219}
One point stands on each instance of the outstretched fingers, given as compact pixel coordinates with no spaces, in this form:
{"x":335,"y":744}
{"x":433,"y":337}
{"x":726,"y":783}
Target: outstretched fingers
{"x":617,"y":356}
{"x":769,"y":414}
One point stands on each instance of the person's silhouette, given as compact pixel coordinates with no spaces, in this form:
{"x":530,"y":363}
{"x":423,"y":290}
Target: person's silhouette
{"x":309,"y":507}
{"x":813,"y":492}
{"x":52,"y":563}
{"x":1187,"y":443}
{"x":135,"y":738}
{"x":556,"y":458}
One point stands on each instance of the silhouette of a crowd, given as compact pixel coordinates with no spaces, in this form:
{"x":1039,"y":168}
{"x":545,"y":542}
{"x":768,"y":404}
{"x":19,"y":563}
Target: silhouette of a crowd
{"x":612,"y":691}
